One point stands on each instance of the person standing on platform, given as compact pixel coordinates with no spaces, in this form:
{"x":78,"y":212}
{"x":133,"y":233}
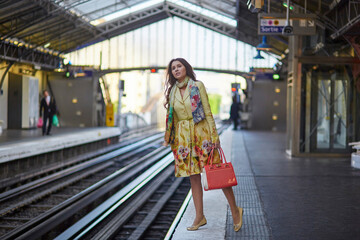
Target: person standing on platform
{"x":191,"y":133}
{"x":234,"y":112}
{"x":49,"y":105}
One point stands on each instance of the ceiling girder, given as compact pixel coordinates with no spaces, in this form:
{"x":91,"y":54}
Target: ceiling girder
{"x":210,"y":23}
{"x":79,"y":32}
{"x":162,"y":11}
{"x":21,"y":28}
{"x":61,"y":24}
{"x":129,"y":22}
{"x":346,"y":16}
{"x":23,"y":11}
{"x":50,"y":6}
{"x":9,"y":7}
{"x":15,"y":53}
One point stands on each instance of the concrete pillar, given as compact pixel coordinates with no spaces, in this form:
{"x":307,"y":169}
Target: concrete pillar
{"x":294,"y":96}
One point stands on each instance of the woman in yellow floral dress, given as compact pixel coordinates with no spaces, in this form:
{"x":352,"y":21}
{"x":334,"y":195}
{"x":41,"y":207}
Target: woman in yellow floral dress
{"x":191,"y":133}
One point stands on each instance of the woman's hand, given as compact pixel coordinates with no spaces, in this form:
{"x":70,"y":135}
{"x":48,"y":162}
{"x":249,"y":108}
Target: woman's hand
{"x":165,"y":144}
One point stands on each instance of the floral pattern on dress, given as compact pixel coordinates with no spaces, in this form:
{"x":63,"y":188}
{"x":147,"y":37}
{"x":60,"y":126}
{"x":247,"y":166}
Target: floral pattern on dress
{"x":207,"y":146}
{"x":183,"y":152}
{"x":192,"y":140}
{"x":191,"y":147}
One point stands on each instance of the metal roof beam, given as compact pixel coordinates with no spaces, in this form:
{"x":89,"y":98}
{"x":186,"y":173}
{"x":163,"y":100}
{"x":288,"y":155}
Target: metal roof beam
{"x":11,"y":6}
{"x":128,"y":23}
{"x":161,"y":11}
{"x":77,"y":20}
{"x":321,"y":21}
{"x":23,"y":11}
{"x":210,"y":23}
{"x":22,"y":54}
{"x":346,"y":16}
{"x":49,"y":25}
{"x":21,"y":28}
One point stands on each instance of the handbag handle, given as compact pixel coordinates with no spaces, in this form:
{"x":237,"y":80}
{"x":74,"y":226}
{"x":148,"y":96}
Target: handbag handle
{"x":221,"y":153}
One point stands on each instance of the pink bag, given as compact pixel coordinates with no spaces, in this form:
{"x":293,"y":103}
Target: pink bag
{"x":40,"y":123}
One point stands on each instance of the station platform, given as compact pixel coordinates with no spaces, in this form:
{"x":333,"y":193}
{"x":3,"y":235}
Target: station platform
{"x":17,"y":144}
{"x":26,"y":153}
{"x":283,"y":198}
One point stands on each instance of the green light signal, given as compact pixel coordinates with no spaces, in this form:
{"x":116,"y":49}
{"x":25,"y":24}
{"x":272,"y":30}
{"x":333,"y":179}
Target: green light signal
{"x":285,"y":5}
{"x":276,"y":76}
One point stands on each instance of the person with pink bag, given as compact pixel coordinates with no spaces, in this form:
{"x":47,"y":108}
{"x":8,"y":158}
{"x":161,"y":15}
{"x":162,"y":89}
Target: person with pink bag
{"x":47,"y":104}
{"x":191,"y":133}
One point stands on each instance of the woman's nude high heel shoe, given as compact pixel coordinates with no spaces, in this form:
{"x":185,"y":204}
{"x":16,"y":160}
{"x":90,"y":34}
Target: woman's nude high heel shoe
{"x":238,"y":226}
{"x":195,"y":227}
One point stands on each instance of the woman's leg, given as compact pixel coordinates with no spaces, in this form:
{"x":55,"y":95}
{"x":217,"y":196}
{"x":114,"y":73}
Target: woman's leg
{"x":229,"y":194}
{"x":197,"y":195}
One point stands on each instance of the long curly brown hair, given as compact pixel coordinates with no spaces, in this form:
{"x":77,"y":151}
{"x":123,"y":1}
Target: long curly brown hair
{"x":171,"y":80}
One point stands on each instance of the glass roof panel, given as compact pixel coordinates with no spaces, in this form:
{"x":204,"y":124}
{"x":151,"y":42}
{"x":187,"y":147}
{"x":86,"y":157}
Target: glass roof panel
{"x":102,"y":11}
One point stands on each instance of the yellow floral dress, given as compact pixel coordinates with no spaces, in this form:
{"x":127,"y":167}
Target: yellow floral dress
{"x":192,"y":143}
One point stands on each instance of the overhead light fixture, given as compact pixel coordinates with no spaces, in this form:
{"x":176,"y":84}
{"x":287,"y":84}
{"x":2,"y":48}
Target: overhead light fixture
{"x":258,"y":56}
{"x":264,"y":46}
{"x":255,"y":6}
{"x":47,"y":45}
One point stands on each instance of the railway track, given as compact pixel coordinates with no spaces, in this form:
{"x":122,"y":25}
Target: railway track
{"x":20,"y":206}
{"x":31,"y":176}
{"x":152,"y":211}
{"x":128,"y":196}
{"x":145,"y":212}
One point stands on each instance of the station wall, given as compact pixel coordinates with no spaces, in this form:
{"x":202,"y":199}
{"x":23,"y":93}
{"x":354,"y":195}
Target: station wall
{"x":78,"y":100}
{"x":269,"y":105}
{"x":3,"y":100}
{"x":26,"y":71}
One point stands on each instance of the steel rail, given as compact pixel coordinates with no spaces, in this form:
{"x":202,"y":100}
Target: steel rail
{"x":80,"y":228}
{"x":17,"y":180}
{"x":150,"y":218}
{"x":80,"y":167}
{"x":94,"y":218}
{"x":178,"y":216}
{"x":40,"y":225}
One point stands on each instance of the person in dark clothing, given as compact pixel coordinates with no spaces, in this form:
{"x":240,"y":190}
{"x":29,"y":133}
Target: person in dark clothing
{"x":234,"y":112}
{"x":49,"y":105}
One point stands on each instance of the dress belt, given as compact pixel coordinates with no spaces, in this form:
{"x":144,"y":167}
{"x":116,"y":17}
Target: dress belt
{"x":186,"y":120}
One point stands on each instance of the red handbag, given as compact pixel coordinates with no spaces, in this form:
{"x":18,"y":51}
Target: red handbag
{"x":218,"y":175}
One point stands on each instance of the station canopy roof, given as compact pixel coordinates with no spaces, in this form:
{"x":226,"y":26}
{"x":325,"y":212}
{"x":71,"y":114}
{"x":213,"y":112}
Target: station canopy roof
{"x":62,"y":26}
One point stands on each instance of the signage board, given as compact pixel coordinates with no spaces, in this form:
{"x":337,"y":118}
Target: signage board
{"x":274,"y":23}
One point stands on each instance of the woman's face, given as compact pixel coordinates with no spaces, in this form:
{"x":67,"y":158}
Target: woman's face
{"x":178,"y":70}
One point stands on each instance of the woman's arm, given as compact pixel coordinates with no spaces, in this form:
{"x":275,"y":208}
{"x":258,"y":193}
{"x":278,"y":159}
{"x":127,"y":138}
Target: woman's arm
{"x":208,"y":114}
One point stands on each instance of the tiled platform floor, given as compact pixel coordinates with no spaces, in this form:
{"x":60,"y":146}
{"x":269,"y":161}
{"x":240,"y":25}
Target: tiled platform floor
{"x":301,"y":198}
{"x":16,"y":135}
{"x":283,"y":198}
